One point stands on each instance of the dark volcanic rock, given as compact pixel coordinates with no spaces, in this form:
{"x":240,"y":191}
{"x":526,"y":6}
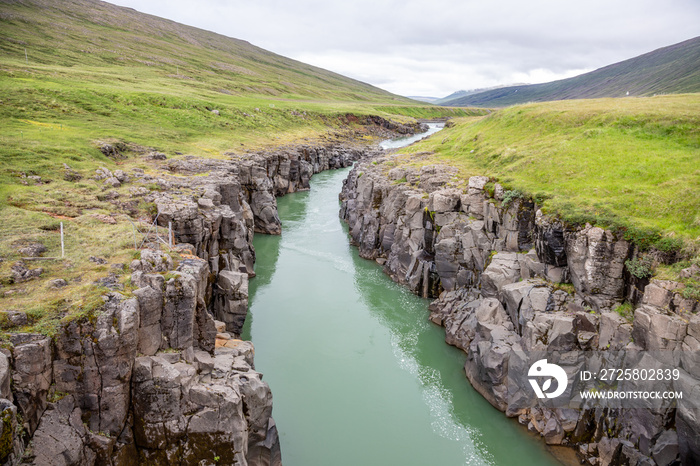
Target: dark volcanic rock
{"x":21,"y":273}
{"x":499,"y":301}
{"x":32,"y":250}
{"x":141,"y":380}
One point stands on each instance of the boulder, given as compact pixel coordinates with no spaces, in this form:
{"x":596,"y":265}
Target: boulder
{"x":657,"y":295}
{"x":553,"y":433}
{"x":596,"y":264}
{"x":661,"y":333}
{"x":562,"y":336}
{"x":504,"y":269}
{"x":153,"y":260}
{"x":32,"y":250}
{"x":665,"y":449}
{"x":444,"y":200}
{"x":615,"y":331}
{"x":21,"y":273}
{"x":522,"y":299}
{"x":231,"y":300}
{"x":15,"y":318}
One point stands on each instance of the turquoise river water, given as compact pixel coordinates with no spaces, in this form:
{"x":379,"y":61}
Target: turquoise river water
{"x":359,"y":375}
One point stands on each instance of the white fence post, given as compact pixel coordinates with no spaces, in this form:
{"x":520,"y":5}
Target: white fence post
{"x":63,"y":250}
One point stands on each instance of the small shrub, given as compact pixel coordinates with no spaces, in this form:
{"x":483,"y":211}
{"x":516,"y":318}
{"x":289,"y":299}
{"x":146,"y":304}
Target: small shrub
{"x":540,"y":198}
{"x":644,"y":239}
{"x":511,"y":195}
{"x":642,"y":267}
{"x":54,"y":395}
{"x":149,"y":208}
{"x":691,"y":290}
{"x":490,"y":188}
{"x":566,"y":287}
{"x":669,"y":245}
{"x":170,"y":275}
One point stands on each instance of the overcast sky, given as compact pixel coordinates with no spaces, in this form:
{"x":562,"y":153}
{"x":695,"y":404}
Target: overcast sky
{"x":435,"y":47}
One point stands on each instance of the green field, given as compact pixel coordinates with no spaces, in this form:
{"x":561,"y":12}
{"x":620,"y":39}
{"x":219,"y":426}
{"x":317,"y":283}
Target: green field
{"x":630,"y":164}
{"x":76,"y":72}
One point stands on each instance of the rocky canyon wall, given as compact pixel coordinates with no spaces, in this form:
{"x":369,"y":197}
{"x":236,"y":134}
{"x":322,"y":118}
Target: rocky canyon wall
{"x":155,"y":373}
{"x":509,"y":281}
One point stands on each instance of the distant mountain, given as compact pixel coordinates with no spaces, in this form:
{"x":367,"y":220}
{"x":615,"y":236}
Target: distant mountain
{"x":456,"y":95}
{"x":460,"y":94}
{"x":430,"y":100}
{"x":668,"y":70}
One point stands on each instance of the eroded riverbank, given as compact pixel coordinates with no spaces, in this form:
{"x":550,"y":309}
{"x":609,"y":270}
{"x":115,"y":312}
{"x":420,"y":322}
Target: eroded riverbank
{"x":359,"y":375}
{"x":512,"y":282}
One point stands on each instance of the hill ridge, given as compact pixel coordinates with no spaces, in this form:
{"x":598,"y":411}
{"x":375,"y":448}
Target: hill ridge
{"x":672,"y":69}
{"x":77,"y":37}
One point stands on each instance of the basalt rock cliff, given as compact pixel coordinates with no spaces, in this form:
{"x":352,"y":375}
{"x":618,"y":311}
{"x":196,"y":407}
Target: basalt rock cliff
{"x":156,"y":374}
{"x":509,"y":281}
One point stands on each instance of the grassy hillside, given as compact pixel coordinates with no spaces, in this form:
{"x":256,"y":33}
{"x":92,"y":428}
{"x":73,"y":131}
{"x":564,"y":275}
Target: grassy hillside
{"x":669,"y":70}
{"x":630,"y":164}
{"x":77,"y":72}
{"x":96,"y":73}
{"x":107,"y":41}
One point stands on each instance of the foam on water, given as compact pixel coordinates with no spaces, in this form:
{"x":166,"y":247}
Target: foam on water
{"x":438,"y":400}
{"x":342,"y":264}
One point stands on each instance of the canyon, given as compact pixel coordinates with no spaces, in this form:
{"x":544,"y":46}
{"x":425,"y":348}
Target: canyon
{"x":508,"y":280}
{"x":158,"y":373}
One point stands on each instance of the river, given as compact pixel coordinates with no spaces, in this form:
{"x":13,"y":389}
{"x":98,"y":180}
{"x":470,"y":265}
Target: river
{"x":359,"y":375}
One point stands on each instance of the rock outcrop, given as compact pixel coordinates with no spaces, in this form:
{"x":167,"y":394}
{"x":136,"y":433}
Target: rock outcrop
{"x":509,"y":281}
{"x":227,"y":201}
{"x":138,"y":381}
{"x":157,"y":375}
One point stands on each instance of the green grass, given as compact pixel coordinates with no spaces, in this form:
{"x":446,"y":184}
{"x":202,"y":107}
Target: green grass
{"x":94,"y":72}
{"x":691,"y":285}
{"x":629,"y":164}
{"x":625,"y":310}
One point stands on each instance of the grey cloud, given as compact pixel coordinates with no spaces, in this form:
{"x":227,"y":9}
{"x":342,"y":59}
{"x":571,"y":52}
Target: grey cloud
{"x":414,"y":47}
